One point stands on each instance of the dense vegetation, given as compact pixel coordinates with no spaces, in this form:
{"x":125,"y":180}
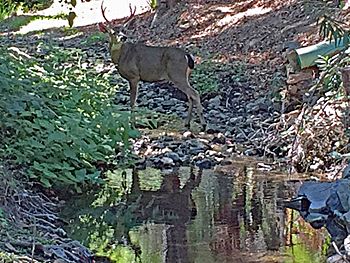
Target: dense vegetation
{"x":9,"y":6}
{"x":57,"y":117}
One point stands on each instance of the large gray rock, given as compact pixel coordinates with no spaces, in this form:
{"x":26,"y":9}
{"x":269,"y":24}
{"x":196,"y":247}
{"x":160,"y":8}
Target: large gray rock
{"x":174,"y":156}
{"x":204,"y":164}
{"x":214,"y":102}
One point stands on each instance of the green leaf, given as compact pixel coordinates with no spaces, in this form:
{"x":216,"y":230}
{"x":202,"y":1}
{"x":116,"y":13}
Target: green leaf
{"x":38,"y":166}
{"x":134,"y":133}
{"x":50,"y":175}
{"x":26,"y":114}
{"x":70,"y":176}
{"x":45,"y":182}
{"x":57,"y":136}
{"x":69,"y":153}
{"x":80,"y":175}
{"x":36,"y":144}
{"x":106,"y":147}
{"x":94,"y":176}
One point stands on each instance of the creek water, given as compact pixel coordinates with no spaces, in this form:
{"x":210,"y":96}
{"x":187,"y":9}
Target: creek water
{"x":232,"y":214}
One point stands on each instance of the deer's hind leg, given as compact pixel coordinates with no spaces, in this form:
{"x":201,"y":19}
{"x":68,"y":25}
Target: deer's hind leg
{"x":197,"y":100}
{"x":193,"y":98}
{"x":189,"y":114}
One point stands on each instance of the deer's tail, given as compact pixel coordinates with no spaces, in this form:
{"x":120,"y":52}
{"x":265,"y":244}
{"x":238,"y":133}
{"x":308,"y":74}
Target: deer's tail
{"x":190,"y":61}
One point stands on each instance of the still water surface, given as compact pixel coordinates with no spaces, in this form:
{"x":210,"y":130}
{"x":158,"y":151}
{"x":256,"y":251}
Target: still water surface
{"x":185,"y":215}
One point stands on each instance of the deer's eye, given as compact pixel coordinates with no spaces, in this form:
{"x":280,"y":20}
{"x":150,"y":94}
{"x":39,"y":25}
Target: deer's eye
{"x":123,"y":38}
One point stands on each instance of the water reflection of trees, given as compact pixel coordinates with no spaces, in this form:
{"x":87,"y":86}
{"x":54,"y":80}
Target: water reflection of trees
{"x":247,"y":215}
{"x":185,"y":216}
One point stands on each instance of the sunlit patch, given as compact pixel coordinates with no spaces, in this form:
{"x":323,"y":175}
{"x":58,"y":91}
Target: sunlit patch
{"x":228,"y":19}
{"x":42,"y":25}
{"x":225,"y":9}
{"x":231,"y":19}
{"x":87,"y":14}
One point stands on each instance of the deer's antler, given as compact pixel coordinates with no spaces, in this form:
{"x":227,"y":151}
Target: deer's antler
{"x":103,"y":10}
{"x":131,"y":16}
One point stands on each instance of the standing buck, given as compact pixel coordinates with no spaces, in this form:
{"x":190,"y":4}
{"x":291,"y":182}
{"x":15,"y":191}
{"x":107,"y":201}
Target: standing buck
{"x":137,"y":62}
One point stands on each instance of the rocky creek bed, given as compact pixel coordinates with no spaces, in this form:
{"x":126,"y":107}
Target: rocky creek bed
{"x":235,"y":126}
{"x":241,"y":120}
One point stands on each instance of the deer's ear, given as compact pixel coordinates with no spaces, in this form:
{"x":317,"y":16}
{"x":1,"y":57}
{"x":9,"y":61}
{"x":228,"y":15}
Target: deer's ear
{"x":102,"y":27}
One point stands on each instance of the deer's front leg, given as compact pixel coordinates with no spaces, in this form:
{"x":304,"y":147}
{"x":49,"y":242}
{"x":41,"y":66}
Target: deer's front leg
{"x":133,"y":95}
{"x":133,"y":92}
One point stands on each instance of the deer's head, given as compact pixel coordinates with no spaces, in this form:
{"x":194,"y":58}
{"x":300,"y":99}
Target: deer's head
{"x":117,"y":36}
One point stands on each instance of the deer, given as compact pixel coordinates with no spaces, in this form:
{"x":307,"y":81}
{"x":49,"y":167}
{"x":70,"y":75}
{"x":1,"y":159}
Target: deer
{"x":137,"y":62}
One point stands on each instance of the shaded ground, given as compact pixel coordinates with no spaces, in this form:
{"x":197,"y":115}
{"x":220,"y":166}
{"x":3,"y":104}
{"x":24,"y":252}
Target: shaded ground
{"x":30,"y":225}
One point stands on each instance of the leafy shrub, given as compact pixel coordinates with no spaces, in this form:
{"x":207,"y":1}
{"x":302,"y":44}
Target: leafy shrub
{"x":333,"y":30}
{"x":58,"y":118}
{"x":94,"y":38}
{"x":152,"y":4}
{"x":204,"y":77}
{"x":9,"y":6}
{"x":6,"y":8}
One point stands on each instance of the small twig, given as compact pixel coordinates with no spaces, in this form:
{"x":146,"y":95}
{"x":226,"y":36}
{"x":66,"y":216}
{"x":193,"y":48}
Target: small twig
{"x":295,"y":140}
{"x":339,"y":253}
{"x":33,"y":243}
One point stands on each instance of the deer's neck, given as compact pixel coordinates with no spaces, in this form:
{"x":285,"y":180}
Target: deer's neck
{"x":116,"y":49}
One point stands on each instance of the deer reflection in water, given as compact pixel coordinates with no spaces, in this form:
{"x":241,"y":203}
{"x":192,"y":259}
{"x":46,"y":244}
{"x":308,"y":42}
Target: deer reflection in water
{"x":171,"y":206}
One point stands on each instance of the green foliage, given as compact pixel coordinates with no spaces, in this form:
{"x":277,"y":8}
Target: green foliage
{"x":152,"y":4}
{"x":32,"y":5}
{"x":7,"y":257}
{"x":331,"y":29}
{"x":94,"y":38}
{"x":3,"y":219}
{"x":204,"y":77}
{"x":331,"y":75}
{"x":58,"y":118}
{"x":9,"y":6}
{"x":330,"y":66}
{"x":16,"y":22}
{"x":6,"y":8}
